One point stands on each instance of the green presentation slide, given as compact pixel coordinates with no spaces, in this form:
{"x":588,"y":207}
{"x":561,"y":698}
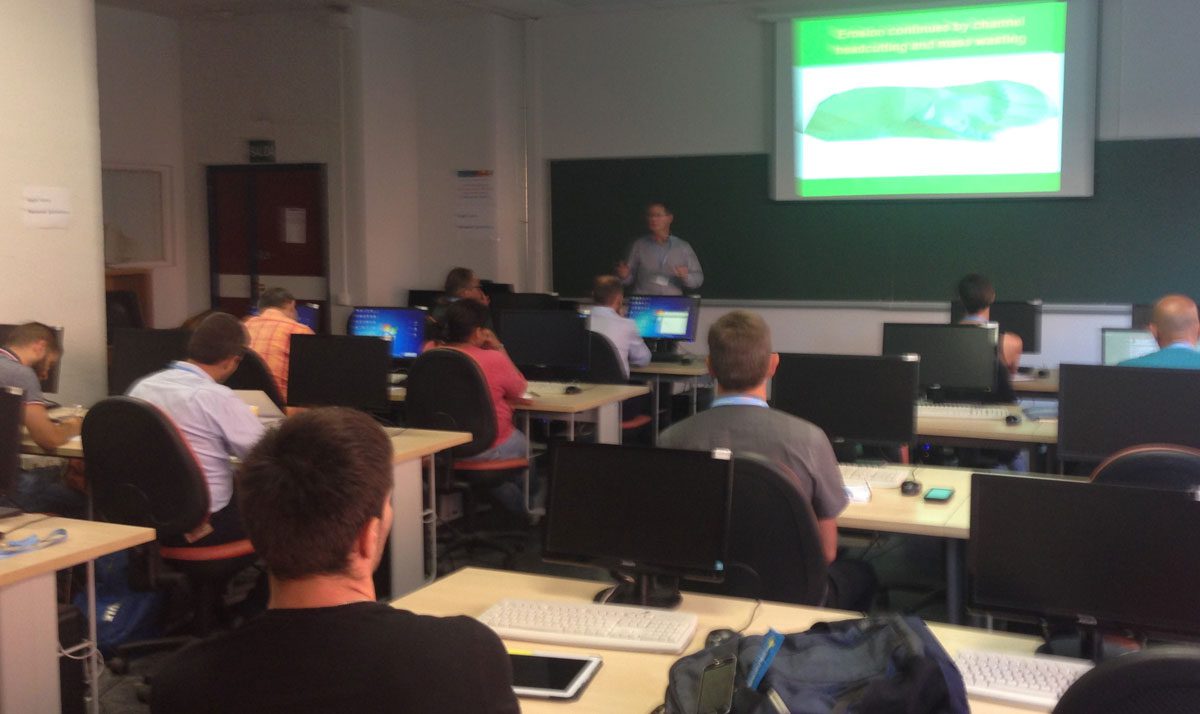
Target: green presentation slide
{"x":953,"y":101}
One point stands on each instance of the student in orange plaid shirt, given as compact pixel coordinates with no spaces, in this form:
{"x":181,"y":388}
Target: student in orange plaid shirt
{"x":271,"y":332}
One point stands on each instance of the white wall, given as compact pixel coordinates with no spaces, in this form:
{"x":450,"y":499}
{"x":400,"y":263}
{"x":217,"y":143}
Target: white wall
{"x":141,"y":125}
{"x":50,"y":132}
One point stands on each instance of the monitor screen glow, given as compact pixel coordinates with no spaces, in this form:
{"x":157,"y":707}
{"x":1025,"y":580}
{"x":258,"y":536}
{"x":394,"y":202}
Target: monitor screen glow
{"x":664,"y":317}
{"x":404,"y":328}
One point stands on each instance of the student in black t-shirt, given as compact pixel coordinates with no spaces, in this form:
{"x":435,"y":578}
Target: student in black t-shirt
{"x":315,"y":498}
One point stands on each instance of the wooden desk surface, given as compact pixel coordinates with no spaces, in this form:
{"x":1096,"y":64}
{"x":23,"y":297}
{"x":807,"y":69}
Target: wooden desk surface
{"x":409,"y":444}
{"x":635,"y":682}
{"x":73,"y":449}
{"x":695,"y":368}
{"x":549,"y":396}
{"x":1047,"y":385}
{"x":1028,"y":431}
{"x":892,"y":512}
{"x":86,"y":540}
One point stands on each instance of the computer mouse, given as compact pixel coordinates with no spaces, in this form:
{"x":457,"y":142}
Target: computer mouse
{"x":572,"y":389}
{"x":910,"y":487}
{"x":719,"y":636}
{"x":1043,"y":373}
{"x":1012,"y":420}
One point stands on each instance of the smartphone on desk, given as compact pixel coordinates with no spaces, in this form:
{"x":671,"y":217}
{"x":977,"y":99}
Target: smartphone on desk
{"x":938,"y":495}
{"x":551,"y":676}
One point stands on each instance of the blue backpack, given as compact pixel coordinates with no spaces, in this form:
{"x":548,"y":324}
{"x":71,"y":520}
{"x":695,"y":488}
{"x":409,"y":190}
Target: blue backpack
{"x":889,"y":664}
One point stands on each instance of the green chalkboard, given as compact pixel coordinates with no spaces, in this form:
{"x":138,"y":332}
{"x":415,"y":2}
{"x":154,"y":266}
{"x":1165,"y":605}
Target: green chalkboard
{"x":1135,"y":239}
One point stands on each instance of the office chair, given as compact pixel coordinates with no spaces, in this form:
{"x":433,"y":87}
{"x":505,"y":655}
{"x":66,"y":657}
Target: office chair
{"x":775,"y":548}
{"x":141,"y":472}
{"x":1160,"y":680}
{"x":447,"y":391}
{"x":604,"y":367}
{"x":252,"y":373}
{"x":12,"y":412}
{"x":1164,"y":466}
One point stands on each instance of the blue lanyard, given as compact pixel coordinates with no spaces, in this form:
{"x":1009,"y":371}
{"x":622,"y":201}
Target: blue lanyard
{"x":739,"y":400}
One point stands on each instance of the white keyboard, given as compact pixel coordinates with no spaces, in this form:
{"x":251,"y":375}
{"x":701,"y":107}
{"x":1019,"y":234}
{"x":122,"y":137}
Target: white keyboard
{"x":615,"y":627}
{"x":874,"y":476}
{"x":962,"y":411}
{"x":1037,"y":680}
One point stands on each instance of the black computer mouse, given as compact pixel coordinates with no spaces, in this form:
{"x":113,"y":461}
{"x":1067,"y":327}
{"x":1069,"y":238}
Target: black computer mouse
{"x":1012,"y":420}
{"x":719,"y":636}
{"x":1043,"y":373}
{"x":572,"y":389}
{"x":910,"y":487}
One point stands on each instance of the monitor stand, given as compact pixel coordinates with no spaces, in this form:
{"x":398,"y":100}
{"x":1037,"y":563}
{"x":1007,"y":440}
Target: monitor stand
{"x":641,"y":589}
{"x":663,"y":350}
{"x":1088,"y":644}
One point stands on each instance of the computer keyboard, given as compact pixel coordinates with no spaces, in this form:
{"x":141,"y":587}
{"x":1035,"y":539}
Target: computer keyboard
{"x":874,"y":476}
{"x":962,"y":411}
{"x":1037,"y":680}
{"x":615,"y":627}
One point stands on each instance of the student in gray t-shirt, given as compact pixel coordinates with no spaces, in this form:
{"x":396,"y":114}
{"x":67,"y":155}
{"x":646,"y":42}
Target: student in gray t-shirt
{"x":740,"y":357}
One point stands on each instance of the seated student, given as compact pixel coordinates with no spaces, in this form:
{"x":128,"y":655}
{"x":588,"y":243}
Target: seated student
{"x":315,"y":495}
{"x":608,"y":294}
{"x":465,"y":329}
{"x":210,"y":417}
{"x":28,"y":355}
{"x":977,"y":295}
{"x":1176,"y":327}
{"x":271,"y":333}
{"x":741,"y":360}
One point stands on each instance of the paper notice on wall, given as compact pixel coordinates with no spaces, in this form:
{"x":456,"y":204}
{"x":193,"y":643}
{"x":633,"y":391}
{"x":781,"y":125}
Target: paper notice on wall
{"x":475,"y":204}
{"x":294,"y":225}
{"x":46,"y":207}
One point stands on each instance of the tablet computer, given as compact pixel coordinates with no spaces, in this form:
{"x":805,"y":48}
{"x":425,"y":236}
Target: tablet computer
{"x":551,"y":675}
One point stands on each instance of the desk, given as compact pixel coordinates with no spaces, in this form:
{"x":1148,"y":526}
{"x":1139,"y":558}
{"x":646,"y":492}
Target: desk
{"x":658,"y":372}
{"x":991,"y":434}
{"x":634,"y":681}
{"x":1046,"y":387}
{"x":29,"y":612}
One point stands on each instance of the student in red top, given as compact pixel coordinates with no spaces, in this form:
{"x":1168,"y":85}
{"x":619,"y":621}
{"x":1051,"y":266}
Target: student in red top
{"x":464,"y":327}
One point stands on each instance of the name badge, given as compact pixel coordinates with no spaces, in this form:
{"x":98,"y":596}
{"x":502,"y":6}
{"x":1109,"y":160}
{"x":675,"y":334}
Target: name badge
{"x":662,"y":280}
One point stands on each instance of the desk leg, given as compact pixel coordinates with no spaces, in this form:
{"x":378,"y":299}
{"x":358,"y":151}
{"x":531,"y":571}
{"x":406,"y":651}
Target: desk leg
{"x":656,"y":390}
{"x":429,"y":514}
{"x":608,"y":423}
{"x":29,"y":647}
{"x":954,"y":580}
{"x":695,"y":393}
{"x":408,"y":544}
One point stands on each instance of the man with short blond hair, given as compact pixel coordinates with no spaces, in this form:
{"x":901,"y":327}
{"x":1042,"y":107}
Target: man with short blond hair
{"x":606,"y":319}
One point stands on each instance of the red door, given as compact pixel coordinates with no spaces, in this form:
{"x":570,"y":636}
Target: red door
{"x":267,"y":229}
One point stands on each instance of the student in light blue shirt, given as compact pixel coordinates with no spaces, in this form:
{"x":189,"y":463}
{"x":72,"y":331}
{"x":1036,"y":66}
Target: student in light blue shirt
{"x":1176,"y":327}
{"x":606,"y":319}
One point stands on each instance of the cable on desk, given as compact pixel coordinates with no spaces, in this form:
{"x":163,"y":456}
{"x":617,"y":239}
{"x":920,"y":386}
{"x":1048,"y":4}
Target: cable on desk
{"x":19,"y":526}
{"x":753,"y":614}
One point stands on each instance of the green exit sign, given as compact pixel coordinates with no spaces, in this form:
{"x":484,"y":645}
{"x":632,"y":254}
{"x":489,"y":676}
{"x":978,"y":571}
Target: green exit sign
{"x":261,"y":151}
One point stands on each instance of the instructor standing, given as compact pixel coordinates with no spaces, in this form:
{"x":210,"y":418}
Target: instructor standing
{"x":660,"y":263}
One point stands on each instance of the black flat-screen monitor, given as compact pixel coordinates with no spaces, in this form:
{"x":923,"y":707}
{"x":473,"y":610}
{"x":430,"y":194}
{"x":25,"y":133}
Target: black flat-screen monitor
{"x":665,"y":317}
{"x":522,"y":301}
{"x":639,"y":510}
{"x":552,"y":343}
{"x":850,"y":397}
{"x":1117,"y":557}
{"x":1118,"y":344}
{"x":1140,"y":316}
{"x":49,"y":383}
{"x":1102,"y":410}
{"x":339,"y":370}
{"x":1023,"y":319}
{"x":139,"y":352}
{"x":403,"y":328}
{"x":427,"y":299}
{"x":961,"y":358}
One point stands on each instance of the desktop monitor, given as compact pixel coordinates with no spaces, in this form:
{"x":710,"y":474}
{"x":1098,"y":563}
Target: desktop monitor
{"x":339,"y":370}
{"x":402,"y":327}
{"x":959,"y":358}
{"x":665,"y":317}
{"x":1099,"y":555}
{"x":1102,"y":410}
{"x":850,"y":397}
{"x":640,"y":511}
{"x":501,"y":301}
{"x":427,"y":299}
{"x":139,"y":352}
{"x":49,"y":383}
{"x":1118,"y":344}
{"x":548,"y":343}
{"x":1023,"y":319}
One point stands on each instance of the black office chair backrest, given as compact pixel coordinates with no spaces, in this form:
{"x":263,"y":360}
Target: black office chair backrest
{"x":604,"y":366}
{"x":1159,"y":680}
{"x":446,"y":390}
{"x":12,"y":415}
{"x":140,"y":470}
{"x":252,"y":373}
{"x":775,"y":550}
{"x":1165,"y":466}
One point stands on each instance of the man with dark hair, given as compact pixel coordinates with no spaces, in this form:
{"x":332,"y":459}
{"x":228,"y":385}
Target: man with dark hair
{"x":216,"y":424}
{"x":316,"y":498}
{"x":461,"y":284}
{"x":271,"y":333}
{"x":660,"y":263}
{"x":608,"y":294}
{"x":29,"y":353}
{"x":977,"y":295}
{"x":741,"y":359}
{"x":1176,"y":328}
